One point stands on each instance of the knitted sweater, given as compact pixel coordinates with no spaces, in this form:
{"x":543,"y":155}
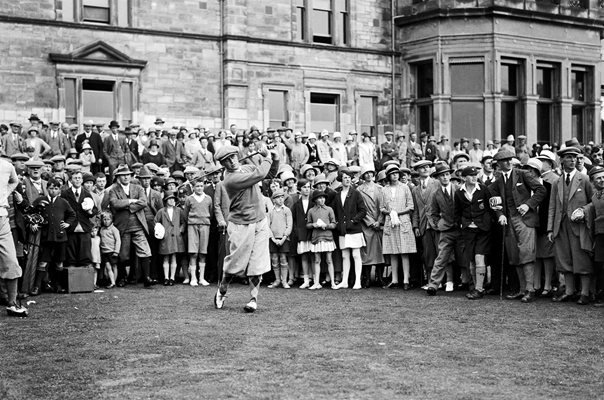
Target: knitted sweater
{"x":198,"y":213}
{"x":326,"y":214}
{"x":111,"y":241}
{"x":280,"y":222}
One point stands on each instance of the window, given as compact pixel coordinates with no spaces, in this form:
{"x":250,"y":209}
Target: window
{"x":96,"y":11}
{"x":424,"y":89}
{"x":100,"y":100}
{"x":511,"y":104}
{"x":109,"y":12}
{"x":277,"y":108}
{"x":301,"y":19}
{"x":321,"y":22}
{"x":581,"y":115}
{"x":467,"y":101}
{"x":547,"y":90}
{"x":325,"y":22}
{"x":324,"y":112}
{"x":368,"y":114}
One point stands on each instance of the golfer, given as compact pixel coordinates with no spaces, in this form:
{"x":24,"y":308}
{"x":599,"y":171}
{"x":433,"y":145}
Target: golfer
{"x":248,"y":229}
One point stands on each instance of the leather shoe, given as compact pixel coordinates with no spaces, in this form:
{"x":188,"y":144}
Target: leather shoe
{"x":35,"y":291}
{"x":148,"y":282}
{"x":475,"y":295}
{"x":392,"y":285}
{"x":60,"y":290}
{"x":406,"y":286}
{"x":562,"y":298}
{"x":46,"y":287}
{"x":431,"y":291}
{"x":121,"y":283}
{"x":529,"y":297}
{"x":583,"y":300}
{"x":515,"y":296}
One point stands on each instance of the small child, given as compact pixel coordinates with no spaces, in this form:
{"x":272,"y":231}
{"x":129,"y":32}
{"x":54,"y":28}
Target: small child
{"x":322,"y":220}
{"x":173,"y":220}
{"x":198,"y":211}
{"x":95,"y":251}
{"x":111,"y":243}
{"x":87,"y":158}
{"x":280,"y":223}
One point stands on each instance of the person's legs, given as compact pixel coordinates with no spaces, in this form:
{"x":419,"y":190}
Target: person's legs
{"x":394,"y":268}
{"x":284,"y":269}
{"x":480,"y":271}
{"x":330,"y":269}
{"x":358,"y":267}
{"x":317,"y":271}
{"x":202,"y":270}
{"x":305,"y":270}
{"x":345,"y":269}
{"x":109,"y":273}
{"x":276,"y":270}
{"x":406,"y":269}
{"x":173,"y":265}
{"x":192,"y":269}
{"x":166,"y":267}
{"x":442,"y":264}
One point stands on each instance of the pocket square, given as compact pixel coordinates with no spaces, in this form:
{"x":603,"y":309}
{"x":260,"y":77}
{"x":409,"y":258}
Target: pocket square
{"x":579,"y":189}
{"x":519,"y":184}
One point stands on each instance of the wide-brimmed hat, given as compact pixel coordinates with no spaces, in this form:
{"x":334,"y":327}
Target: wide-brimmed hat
{"x":169,"y":194}
{"x":367,"y":168}
{"x":534,"y":163}
{"x":287,"y":175}
{"x":332,"y":161}
{"x":391,"y":162}
{"x":152,"y":167}
{"x":318,"y":193}
{"x":468,"y":171}
{"x":568,"y":150}
{"x":19,"y":157}
{"x":122,"y":170}
{"x":307,"y":167}
{"x":137,"y":165}
{"x":321,"y":178}
{"x":145,"y":173}
{"x":17,"y":124}
{"x":547,"y":155}
{"x":392,"y":169}
{"x":86,"y":146}
{"x":381,"y":175}
{"x":441,"y":169}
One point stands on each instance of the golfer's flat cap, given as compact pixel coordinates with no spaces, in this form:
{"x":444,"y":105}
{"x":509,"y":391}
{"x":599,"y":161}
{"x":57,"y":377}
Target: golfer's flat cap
{"x":226,"y":151}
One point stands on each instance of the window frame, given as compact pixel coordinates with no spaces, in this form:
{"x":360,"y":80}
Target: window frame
{"x":120,"y":13}
{"x":339,"y":21}
{"x":468,"y":98}
{"x":339,"y":100}
{"x":552,"y":102}
{"x":373,"y":129}
{"x":586,"y":131}
{"x":516,"y":100}
{"x":422,"y":102}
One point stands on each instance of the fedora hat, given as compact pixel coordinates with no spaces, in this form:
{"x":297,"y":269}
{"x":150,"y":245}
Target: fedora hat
{"x":122,"y":170}
{"x":321,"y":178}
{"x":145,"y":173}
{"x":441,"y":169}
{"x":568,"y":150}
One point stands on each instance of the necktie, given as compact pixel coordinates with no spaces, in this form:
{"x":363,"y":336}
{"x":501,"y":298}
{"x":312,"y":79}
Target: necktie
{"x":567,"y":179}
{"x":77,"y":194}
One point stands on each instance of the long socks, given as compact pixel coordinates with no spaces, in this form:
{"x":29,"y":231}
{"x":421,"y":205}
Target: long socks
{"x":255,"y":286}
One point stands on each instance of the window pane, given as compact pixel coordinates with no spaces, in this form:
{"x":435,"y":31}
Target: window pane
{"x":425,"y":80}
{"x":509,"y":80}
{"x":344,"y":27}
{"x":544,"y":82}
{"x":323,"y":112}
{"x":341,"y":5}
{"x":97,"y":97}
{"x":96,"y":14}
{"x":96,"y":3}
{"x":578,"y":128}
{"x":122,"y":12}
{"x":367,"y":110}
{"x":467,"y":79}
{"x":424,"y":117}
{"x":300,"y":32}
{"x":508,"y":118}
{"x":70,"y":101}
{"x":322,"y":4}
{"x":277,"y":108}
{"x":544,"y":123}
{"x":126,"y":103}
{"x":321,"y":24}
{"x":578,"y":85}
{"x":467,"y":119}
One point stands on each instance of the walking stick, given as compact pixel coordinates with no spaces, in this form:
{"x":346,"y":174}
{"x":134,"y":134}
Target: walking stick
{"x":505,"y":229}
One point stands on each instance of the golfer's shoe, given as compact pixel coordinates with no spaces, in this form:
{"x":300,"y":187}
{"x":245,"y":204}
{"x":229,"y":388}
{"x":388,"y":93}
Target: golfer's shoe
{"x":15,"y":310}
{"x":251,"y":306}
{"x":219,"y":299}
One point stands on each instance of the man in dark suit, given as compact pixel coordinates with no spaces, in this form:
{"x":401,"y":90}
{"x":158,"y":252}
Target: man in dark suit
{"x":472,"y":214}
{"x":78,"y":250}
{"x":127,"y":203}
{"x":441,"y":215}
{"x":154,"y":204}
{"x":516,"y":197}
{"x":573,"y":190}
{"x":214,"y":174}
{"x":114,"y":148}
{"x":95,"y":142}
{"x":169,"y":148}
{"x":131,"y":147}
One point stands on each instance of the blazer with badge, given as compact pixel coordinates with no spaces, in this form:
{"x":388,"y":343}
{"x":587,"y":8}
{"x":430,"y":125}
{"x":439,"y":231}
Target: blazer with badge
{"x":579,"y":195}
{"x":525,"y":190}
{"x":477,"y":210}
{"x":83,"y":218}
{"x":121,"y":207}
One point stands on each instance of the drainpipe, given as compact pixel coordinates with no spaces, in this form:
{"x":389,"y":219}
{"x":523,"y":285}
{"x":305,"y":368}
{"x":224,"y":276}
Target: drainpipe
{"x":221,"y":51}
{"x":393,"y":59}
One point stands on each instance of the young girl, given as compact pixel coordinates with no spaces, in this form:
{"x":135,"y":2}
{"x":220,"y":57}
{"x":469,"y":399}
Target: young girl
{"x":111,"y":243}
{"x":280,"y":222}
{"x":173,"y":220}
{"x":322,"y":220}
{"x":198,"y":211}
{"x":95,"y":251}
{"x":301,"y":233}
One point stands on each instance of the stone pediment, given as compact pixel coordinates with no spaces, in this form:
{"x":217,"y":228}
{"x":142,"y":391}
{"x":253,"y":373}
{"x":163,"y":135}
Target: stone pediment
{"x":98,"y":53}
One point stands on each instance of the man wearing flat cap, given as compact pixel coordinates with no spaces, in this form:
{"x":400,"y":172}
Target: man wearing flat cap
{"x":516,"y":196}
{"x":114,"y":147}
{"x":127,"y":203}
{"x":573,"y":190}
{"x":247,"y":228}
{"x":57,"y":140}
{"x":13,"y":142}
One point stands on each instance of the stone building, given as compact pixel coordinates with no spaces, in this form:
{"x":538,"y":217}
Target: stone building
{"x":482,"y":68}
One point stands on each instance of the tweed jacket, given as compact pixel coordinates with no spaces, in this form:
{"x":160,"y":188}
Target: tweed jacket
{"x":350,"y":214}
{"x":580,"y":194}
{"x":31,"y":191}
{"x":115,"y":152}
{"x":58,"y":144}
{"x":421,"y":200}
{"x":172,"y":152}
{"x":525,"y":190}
{"x":10,"y":145}
{"x":154,"y":203}
{"x":122,"y":208}
{"x":441,"y":212}
{"x":82,"y":217}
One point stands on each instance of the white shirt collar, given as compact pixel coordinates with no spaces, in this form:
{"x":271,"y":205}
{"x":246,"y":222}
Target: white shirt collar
{"x":572,"y":174}
{"x":465,"y":189}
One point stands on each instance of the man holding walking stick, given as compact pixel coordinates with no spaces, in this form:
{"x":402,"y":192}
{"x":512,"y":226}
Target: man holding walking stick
{"x":516,"y":196}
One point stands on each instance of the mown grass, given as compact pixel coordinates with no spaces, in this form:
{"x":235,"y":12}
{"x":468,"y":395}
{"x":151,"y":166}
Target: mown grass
{"x":170,"y":342}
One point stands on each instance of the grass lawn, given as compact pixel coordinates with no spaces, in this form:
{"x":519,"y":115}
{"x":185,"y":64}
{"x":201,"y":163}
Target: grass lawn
{"x":170,"y":342}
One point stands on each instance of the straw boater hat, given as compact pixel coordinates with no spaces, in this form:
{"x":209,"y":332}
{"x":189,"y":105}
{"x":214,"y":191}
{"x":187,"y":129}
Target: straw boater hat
{"x":549,"y":156}
{"x":421,"y":163}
